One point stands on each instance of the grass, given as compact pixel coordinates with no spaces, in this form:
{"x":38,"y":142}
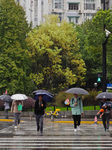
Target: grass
{"x":65,"y":108}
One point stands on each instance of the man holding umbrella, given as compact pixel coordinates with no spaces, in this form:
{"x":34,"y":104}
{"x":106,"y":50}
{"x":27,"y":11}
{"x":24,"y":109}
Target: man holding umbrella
{"x":106,"y":116}
{"x":39,"y":110}
{"x":41,"y":97}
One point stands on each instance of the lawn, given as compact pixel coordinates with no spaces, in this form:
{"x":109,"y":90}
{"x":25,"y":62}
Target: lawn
{"x":65,"y":108}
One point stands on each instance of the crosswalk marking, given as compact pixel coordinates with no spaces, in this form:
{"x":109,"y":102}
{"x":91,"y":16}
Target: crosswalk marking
{"x":54,"y":143}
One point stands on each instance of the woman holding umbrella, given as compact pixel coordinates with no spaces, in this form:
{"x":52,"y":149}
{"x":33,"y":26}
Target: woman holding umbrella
{"x":76,"y":105}
{"x":17,"y":112}
{"x":16,"y":107}
{"x":77,"y":110}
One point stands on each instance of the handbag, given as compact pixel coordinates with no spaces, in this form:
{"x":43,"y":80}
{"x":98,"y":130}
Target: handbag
{"x":19,"y":107}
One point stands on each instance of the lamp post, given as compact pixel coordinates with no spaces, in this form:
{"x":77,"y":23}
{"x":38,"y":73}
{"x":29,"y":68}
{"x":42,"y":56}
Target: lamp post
{"x":104,"y":58}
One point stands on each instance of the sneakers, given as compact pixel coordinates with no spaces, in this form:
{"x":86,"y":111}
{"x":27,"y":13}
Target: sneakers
{"x":107,"y":130}
{"x":15,"y":127}
{"x":75,"y":130}
{"x":78,"y":127}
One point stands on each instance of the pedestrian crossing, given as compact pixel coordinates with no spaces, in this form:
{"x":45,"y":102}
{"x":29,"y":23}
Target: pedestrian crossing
{"x":56,"y":143}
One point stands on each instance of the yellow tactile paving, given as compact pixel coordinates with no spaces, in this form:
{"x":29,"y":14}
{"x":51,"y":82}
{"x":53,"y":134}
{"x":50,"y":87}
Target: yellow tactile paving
{"x":83,"y":122}
{"x":8,"y":120}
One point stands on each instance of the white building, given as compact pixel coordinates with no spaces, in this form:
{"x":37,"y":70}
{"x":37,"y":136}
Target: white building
{"x":76,"y":11}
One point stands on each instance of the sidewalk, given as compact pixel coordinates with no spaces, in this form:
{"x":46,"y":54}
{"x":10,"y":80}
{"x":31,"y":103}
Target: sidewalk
{"x":56,"y":128}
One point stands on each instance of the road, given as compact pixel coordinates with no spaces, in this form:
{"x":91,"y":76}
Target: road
{"x":56,"y":136}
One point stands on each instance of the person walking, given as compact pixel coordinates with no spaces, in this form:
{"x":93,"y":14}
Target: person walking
{"x":7,"y":107}
{"x":17,"y":112}
{"x":106,"y":115}
{"x":77,"y":109}
{"x":39,"y":110}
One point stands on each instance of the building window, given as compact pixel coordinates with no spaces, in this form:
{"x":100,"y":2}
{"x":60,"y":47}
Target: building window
{"x":89,"y":0}
{"x":89,"y":6}
{"x":73,"y":6}
{"x":59,"y":15}
{"x":88,"y":16}
{"x":74,"y":19}
{"x":58,"y":4}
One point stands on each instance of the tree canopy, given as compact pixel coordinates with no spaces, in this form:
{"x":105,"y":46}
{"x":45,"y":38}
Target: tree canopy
{"x":54,"y":51}
{"x":91,"y":35}
{"x":13,"y":56}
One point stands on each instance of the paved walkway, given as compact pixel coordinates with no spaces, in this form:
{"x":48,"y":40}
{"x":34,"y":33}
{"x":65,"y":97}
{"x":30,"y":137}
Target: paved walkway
{"x":57,"y":135}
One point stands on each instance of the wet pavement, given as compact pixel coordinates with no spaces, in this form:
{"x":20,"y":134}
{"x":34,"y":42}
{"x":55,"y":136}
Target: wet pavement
{"x":56,"y":135}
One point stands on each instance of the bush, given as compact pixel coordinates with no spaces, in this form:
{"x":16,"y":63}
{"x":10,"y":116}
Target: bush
{"x":61,"y":97}
{"x":90,"y":100}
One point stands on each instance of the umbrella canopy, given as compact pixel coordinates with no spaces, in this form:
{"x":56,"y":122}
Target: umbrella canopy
{"x":104,"y":95}
{"x":77,"y":91}
{"x":29,"y":103}
{"x":6,"y":98}
{"x":47,"y":96}
{"x":19,"y":97}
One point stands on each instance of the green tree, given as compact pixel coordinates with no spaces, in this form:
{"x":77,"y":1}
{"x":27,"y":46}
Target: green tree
{"x":54,"y":51}
{"x":99,"y":35}
{"x":92,"y":35}
{"x":14,"y":63}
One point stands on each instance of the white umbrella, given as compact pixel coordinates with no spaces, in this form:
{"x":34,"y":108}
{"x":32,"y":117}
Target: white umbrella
{"x":19,"y":97}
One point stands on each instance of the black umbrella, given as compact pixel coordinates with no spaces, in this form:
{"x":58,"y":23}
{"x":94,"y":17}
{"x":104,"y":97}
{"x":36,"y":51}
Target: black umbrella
{"x":6,"y":98}
{"x":104,"y":95}
{"x":47,"y":96}
{"x":77,"y":91}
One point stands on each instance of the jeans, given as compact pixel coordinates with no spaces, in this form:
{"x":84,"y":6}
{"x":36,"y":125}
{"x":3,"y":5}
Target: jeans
{"x":6,"y":113}
{"x":39,"y":121}
{"x":77,"y":120}
{"x":17,"y":117}
{"x":105,"y":119}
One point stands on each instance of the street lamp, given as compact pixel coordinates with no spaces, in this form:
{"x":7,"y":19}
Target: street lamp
{"x":104,"y":53}
{"x":104,"y":57}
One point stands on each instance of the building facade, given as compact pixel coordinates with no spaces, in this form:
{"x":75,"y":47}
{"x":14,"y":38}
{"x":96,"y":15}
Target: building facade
{"x":76,"y":11}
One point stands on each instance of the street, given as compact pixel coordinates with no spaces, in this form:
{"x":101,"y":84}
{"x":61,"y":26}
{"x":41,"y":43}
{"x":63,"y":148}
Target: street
{"x":57,"y":135}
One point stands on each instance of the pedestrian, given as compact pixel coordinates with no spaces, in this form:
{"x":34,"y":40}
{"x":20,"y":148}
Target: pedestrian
{"x":16,"y":108}
{"x":77,"y":109}
{"x":7,"y":107}
{"x":106,"y":115}
{"x":39,"y":110}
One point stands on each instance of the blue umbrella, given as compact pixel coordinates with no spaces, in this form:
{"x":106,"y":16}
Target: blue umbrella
{"x":47,"y":96}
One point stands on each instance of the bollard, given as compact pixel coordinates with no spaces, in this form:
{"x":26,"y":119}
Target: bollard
{"x":52,"y":118}
{"x":95,"y":120}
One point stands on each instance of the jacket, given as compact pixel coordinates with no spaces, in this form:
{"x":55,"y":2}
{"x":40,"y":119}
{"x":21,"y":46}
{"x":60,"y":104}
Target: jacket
{"x":6,"y":104}
{"x":108,"y":107}
{"x":39,"y":110}
{"x":78,"y":109}
{"x":14,"y":107}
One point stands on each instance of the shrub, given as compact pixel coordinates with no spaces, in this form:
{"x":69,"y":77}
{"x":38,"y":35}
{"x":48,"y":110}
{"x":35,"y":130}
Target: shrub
{"x":61,"y":97}
{"x":90,"y":100}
